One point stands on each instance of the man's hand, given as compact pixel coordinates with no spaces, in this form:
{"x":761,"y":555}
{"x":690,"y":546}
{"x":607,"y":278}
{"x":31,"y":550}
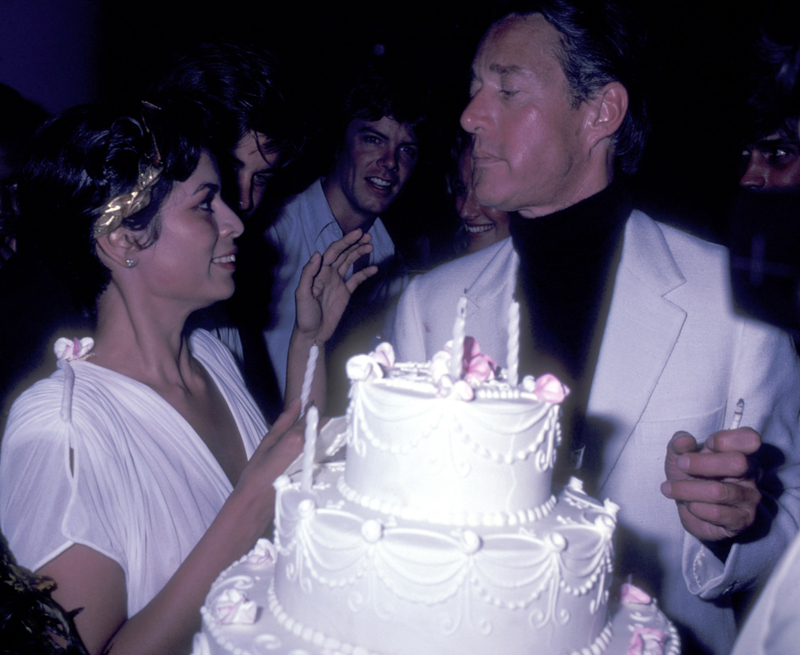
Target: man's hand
{"x":714,"y":485}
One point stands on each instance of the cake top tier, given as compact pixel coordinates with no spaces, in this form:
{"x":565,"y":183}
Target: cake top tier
{"x":471,"y":451}
{"x":476,"y":377}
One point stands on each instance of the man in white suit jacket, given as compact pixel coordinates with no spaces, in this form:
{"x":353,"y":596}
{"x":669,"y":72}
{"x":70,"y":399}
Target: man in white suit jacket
{"x":674,"y":357}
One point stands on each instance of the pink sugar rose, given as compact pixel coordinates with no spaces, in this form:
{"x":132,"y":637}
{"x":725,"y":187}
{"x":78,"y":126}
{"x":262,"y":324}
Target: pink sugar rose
{"x":647,"y":641}
{"x":232,"y":606}
{"x":477,"y":366}
{"x":632,"y":594}
{"x":549,"y":389}
{"x":263,"y":553}
{"x":458,"y":390}
{"x":384,"y":355}
{"x":463,"y":391}
{"x":361,"y":368}
{"x":440,"y":365}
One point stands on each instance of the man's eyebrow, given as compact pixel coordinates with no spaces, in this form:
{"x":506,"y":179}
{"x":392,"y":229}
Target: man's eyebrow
{"x":372,"y":130}
{"x":779,"y":141}
{"x":510,"y":69}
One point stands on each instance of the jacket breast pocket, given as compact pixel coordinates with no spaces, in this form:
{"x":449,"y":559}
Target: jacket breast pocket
{"x":651,"y":432}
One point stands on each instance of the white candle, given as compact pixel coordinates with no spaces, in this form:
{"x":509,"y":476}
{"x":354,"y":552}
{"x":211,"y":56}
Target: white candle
{"x":309,"y":447}
{"x":513,"y":343}
{"x":457,"y":353}
{"x":309,"y":377}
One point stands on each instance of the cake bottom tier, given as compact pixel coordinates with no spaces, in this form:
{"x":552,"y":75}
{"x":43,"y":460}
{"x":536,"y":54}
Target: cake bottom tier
{"x":349,"y":579}
{"x":632,"y":627}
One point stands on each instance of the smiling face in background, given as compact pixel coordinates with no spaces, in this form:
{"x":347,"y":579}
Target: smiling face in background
{"x":254,"y":167}
{"x":372,"y":167}
{"x":772,"y":163}
{"x":193,"y":260}
{"x":484,"y":225}
{"x":529,"y":150}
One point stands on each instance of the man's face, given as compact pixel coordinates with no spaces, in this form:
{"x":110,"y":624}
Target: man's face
{"x":253,"y":170}
{"x":772,"y":163}
{"x":529,"y":153}
{"x":374,"y":164}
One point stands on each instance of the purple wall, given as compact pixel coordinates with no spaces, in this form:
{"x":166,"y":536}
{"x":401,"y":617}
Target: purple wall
{"x":48,"y":50}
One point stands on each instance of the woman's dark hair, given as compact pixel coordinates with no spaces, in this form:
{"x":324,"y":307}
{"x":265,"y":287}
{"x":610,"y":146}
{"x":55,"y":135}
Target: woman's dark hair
{"x":81,"y":159}
{"x":456,"y":187}
{"x":600,"y":43}
{"x":31,"y":622}
{"x":460,"y":144}
{"x":239,"y":86}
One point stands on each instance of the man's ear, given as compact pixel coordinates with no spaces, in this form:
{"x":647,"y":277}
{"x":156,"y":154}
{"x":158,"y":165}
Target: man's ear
{"x":608,"y":108}
{"x":118,"y":248}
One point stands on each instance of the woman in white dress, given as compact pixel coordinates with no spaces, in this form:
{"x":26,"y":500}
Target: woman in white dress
{"x":140,"y":469}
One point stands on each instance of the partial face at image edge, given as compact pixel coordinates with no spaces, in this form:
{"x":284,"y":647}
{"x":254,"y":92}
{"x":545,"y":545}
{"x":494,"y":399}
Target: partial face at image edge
{"x":772,"y":162}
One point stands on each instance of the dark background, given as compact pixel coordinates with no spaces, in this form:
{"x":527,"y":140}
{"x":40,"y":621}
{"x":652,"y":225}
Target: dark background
{"x":64,"y":52}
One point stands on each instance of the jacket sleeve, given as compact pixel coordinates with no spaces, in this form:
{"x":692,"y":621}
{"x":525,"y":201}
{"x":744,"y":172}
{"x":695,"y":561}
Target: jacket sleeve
{"x":766,"y":375}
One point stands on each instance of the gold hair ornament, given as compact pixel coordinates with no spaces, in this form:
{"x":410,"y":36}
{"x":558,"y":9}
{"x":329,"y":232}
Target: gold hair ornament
{"x":120,"y":207}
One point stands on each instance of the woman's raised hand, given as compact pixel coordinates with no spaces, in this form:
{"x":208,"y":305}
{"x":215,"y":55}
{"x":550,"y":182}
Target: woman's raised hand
{"x":323,"y":293}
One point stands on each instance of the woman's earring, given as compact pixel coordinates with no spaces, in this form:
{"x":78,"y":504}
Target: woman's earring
{"x":129,"y":263}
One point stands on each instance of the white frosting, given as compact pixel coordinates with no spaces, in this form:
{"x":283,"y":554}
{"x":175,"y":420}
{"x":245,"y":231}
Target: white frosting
{"x":488,"y":461}
{"x":442,"y":588}
{"x":439,"y":534}
{"x":278,"y":631}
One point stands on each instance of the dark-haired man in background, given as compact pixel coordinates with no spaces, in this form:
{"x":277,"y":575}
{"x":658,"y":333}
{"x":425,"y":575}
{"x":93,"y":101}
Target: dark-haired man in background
{"x":634,"y":316}
{"x":377,"y":154}
{"x":253,"y":129}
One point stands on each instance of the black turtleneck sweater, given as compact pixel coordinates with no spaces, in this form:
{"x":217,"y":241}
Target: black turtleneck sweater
{"x":568,"y":264}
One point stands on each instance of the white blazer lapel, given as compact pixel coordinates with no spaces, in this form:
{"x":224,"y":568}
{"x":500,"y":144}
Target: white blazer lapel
{"x":640,"y":333}
{"x":494,"y":278}
{"x":489,"y":295}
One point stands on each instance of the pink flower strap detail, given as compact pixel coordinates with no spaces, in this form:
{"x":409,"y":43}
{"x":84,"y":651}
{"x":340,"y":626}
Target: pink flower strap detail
{"x":70,"y":350}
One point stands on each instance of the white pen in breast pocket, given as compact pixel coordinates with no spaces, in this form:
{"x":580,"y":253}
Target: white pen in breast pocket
{"x":737,"y":414}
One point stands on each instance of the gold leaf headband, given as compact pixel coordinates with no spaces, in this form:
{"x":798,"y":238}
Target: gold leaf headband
{"x":120,"y":207}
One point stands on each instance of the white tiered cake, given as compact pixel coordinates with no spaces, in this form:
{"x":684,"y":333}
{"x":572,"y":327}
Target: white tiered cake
{"x":438,"y":534}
